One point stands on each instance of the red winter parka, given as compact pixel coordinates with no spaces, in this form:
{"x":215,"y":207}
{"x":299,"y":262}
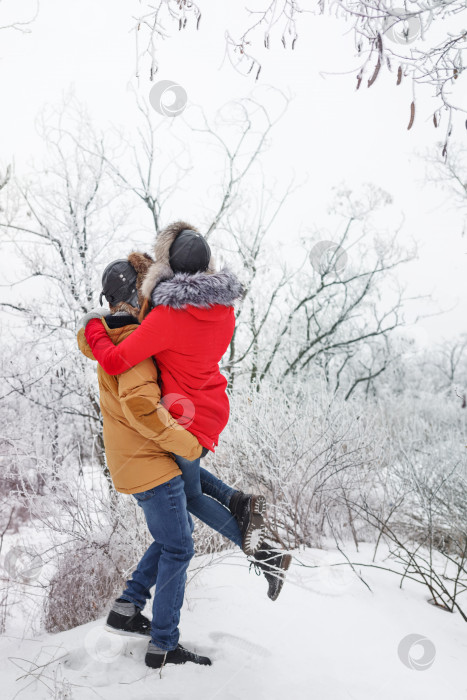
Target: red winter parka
{"x":187,"y":332}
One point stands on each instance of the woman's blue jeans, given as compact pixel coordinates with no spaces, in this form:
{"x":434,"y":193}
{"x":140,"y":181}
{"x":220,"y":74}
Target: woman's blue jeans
{"x":201,"y":488}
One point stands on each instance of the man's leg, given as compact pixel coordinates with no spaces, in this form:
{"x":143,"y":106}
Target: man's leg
{"x":143,"y":578}
{"x":125,"y":616}
{"x":167,"y":518}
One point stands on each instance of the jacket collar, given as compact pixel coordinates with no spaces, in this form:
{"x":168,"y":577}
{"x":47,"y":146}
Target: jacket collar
{"x":120,"y":319}
{"x":200,"y":289}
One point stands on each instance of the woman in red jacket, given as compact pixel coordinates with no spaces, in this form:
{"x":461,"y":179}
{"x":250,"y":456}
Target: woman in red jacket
{"x":188,"y":329}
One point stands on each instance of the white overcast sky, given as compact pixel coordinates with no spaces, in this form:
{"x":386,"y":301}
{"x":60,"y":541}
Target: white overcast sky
{"x":331,"y":134}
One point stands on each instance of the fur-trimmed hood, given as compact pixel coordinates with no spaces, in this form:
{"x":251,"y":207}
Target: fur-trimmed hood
{"x":200,"y":289}
{"x":160,"y":270}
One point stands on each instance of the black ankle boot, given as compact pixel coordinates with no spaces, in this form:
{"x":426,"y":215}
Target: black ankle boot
{"x":156,"y":658}
{"x":126,"y":618}
{"x":273,"y":564}
{"x":248,"y":511}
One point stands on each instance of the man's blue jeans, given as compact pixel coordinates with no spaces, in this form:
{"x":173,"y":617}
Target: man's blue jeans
{"x":166,"y":561}
{"x":201,"y":488}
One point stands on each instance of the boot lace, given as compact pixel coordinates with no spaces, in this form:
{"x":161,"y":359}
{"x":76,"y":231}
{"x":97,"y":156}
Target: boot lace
{"x":256,"y":568}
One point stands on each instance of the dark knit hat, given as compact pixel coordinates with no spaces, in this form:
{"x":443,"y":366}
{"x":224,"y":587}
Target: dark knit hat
{"x":119,"y":283}
{"x":189,"y":252}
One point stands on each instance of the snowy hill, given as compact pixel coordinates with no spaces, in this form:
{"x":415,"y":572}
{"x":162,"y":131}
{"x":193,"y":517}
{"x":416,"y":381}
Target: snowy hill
{"x":327,"y":637}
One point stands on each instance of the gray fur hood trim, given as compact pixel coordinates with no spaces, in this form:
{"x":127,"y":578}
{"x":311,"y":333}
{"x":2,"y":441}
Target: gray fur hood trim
{"x":200,"y":289}
{"x":160,"y":270}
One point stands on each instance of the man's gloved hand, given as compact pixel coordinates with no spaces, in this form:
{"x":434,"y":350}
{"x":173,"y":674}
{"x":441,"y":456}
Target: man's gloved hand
{"x":204,"y":452}
{"x":94,"y":313}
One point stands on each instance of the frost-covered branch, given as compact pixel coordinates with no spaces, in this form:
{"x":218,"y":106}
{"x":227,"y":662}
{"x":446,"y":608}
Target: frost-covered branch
{"x":423,"y":40}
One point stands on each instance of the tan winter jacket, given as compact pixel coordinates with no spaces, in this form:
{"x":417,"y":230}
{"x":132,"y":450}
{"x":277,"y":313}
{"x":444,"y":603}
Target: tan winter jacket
{"x":139,"y":433}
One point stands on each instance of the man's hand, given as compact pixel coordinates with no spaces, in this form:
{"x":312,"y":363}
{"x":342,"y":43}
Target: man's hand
{"x":94,"y":313}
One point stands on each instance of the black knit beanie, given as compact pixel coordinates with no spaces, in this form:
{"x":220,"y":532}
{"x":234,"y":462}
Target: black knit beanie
{"x":189,"y":252}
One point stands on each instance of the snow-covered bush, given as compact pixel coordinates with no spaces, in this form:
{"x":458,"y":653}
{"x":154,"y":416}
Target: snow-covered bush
{"x":86,"y":579}
{"x":422,"y":510}
{"x":308,"y":451}
{"x":92,"y":540}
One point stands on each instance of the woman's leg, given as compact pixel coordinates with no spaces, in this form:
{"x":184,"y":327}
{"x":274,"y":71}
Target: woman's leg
{"x":274,"y":564}
{"x":247,"y":509}
{"x":214,"y":487}
{"x":207,"y":509}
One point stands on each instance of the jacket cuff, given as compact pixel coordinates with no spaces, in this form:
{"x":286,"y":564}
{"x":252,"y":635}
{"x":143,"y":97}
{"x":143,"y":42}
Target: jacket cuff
{"x":94,"y":313}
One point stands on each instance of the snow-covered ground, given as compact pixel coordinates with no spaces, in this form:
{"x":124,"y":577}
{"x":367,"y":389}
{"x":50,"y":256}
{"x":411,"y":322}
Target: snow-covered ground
{"x":326,"y":637}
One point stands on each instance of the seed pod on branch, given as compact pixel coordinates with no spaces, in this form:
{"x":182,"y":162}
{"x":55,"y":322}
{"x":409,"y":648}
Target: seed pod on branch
{"x":359,"y":78}
{"x":412,"y":115}
{"x":379,"y":43}
{"x":399,"y":75}
{"x":375,"y":73}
